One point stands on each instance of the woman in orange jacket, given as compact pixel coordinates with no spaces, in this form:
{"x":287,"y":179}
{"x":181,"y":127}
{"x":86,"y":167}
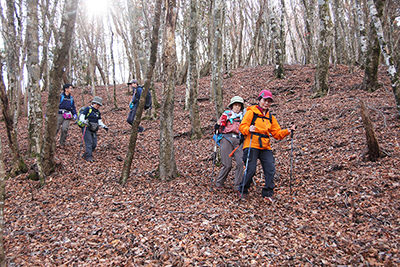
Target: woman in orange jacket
{"x":258,"y":125}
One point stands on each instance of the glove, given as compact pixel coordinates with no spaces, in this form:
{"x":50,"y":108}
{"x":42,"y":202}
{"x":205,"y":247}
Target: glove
{"x":106,"y":128}
{"x":241,"y":138}
{"x":75,"y":117}
{"x":216,"y":128}
{"x":84,"y":121}
{"x":130,"y":105}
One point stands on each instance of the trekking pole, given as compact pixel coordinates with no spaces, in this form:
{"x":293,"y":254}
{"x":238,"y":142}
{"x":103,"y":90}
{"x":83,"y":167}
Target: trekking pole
{"x":247,"y":163}
{"x":291,"y":162}
{"x":214,"y":159}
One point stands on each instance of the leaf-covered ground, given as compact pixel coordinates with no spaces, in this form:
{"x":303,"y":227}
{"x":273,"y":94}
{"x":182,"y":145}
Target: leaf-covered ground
{"x":343,"y":210}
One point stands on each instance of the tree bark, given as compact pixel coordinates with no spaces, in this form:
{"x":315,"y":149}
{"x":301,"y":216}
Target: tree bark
{"x":372,"y":60}
{"x":309,"y":17}
{"x":10,"y":102}
{"x":324,"y":49}
{"x":279,"y":71}
{"x":113,"y":69}
{"x":388,"y":60}
{"x":256,"y":33}
{"x":363,"y":41}
{"x":2,"y":194}
{"x":167,"y":167}
{"x":196,"y":131}
{"x":35,"y":99}
{"x":59,"y":62}
{"x":18,"y":165}
{"x":153,"y":58}
{"x":216,"y":64}
{"x":374,"y":151}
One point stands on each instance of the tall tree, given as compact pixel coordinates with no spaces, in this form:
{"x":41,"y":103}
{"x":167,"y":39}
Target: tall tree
{"x":309,"y":17}
{"x":362,"y":40}
{"x":381,"y":38}
{"x":279,"y":70}
{"x":2,"y":194}
{"x":10,"y":102}
{"x":35,"y":99}
{"x":196,"y":131}
{"x":18,"y":164}
{"x":372,"y":60}
{"x":60,"y":60}
{"x":167,"y":167}
{"x":259,"y":23}
{"x":321,"y":86}
{"x":216,"y":62}
{"x":153,"y":58}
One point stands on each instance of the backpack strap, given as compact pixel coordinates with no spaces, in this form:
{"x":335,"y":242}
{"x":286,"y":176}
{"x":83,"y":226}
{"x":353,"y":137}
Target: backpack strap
{"x":62,"y":99}
{"x":256,"y":116}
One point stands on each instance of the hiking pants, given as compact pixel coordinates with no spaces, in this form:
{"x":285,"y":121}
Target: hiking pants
{"x":226,"y":148}
{"x":90,"y":139}
{"x":268,"y":164}
{"x":64,"y":128}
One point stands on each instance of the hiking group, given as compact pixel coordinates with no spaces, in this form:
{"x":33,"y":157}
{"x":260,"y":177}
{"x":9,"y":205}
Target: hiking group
{"x":243,"y":134}
{"x":89,"y":118}
{"x":246,"y":137}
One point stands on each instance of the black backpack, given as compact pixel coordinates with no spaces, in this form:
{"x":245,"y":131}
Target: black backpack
{"x":147,"y":105}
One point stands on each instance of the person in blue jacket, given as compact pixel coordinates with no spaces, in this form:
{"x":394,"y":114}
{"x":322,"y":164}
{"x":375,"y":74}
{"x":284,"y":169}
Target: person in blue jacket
{"x":137,"y":92}
{"x":66,"y":111}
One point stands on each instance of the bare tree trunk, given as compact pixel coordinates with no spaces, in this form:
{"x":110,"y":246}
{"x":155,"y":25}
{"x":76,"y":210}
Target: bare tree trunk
{"x":92,"y":74}
{"x":216,"y":65}
{"x":256,"y":32}
{"x":324,"y":49}
{"x":18,"y":165}
{"x":196,"y":131}
{"x":299,"y":33}
{"x":2,"y":194}
{"x":240,"y":35}
{"x":153,"y":57}
{"x":35,"y":99}
{"x":363,"y":41}
{"x":374,"y":151}
{"x":60,"y":60}
{"x":113,"y":68}
{"x":10,"y":103}
{"x":279,"y":71}
{"x":12,"y":52}
{"x":310,"y":32}
{"x":292,"y":38}
{"x":167,"y":168}
{"x":372,"y":60}
{"x":381,"y":38}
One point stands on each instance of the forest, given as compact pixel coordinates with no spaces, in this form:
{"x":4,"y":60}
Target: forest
{"x":148,"y":197}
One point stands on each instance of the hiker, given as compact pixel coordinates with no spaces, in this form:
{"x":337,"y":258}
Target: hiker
{"x":228,"y":127}
{"x":66,"y":112}
{"x":91,"y":117}
{"x":133,"y":105}
{"x":258,"y":125}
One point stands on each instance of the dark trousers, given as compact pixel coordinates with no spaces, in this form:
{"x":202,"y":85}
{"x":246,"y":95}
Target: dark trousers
{"x":268,"y":164}
{"x":90,"y":139}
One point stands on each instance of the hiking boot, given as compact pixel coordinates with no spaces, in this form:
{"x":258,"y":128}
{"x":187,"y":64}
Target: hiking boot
{"x":89,"y":159}
{"x":140,"y":129}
